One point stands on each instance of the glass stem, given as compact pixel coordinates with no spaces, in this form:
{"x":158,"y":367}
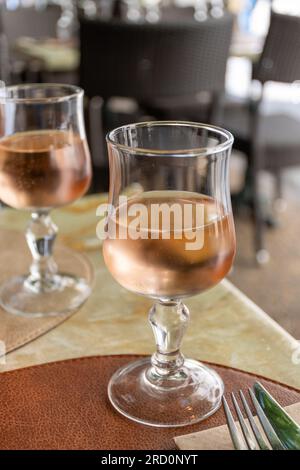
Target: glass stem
{"x":40,"y":235}
{"x":169,"y":321}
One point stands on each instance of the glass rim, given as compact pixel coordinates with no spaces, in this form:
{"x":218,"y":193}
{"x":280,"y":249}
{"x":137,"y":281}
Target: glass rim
{"x":72,"y":91}
{"x":192,"y":152}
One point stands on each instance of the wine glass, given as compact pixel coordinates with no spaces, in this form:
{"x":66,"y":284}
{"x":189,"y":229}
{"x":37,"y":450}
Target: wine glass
{"x":44,"y":164}
{"x":172,"y":238}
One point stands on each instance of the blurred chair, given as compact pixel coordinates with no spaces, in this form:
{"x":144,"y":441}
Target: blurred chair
{"x":4,"y":57}
{"x":31,"y":22}
{"x":175,"y":13}
{"x":161,"y":65}
{"x":28,"y":22}
{"x":270,"y":141}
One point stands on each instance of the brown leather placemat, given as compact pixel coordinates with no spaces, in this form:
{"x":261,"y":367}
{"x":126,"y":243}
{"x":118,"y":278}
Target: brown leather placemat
{"x":64,"y":405}
{"x":15,"y":331}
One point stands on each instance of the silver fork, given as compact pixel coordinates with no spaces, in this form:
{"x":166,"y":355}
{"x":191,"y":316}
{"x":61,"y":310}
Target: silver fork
{"x":247,"y":440}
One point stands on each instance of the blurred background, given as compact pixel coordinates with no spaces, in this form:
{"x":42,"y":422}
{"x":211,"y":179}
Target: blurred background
{"x":233,"y":63}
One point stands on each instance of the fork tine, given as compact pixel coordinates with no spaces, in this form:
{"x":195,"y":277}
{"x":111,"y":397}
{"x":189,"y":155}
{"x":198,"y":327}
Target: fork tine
{"x":258,"y":436}
{"x":270,"y":433}
{"x":236,"y":436}
{"x":248,"y":438}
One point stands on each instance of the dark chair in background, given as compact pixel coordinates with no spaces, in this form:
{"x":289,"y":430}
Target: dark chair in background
{"x":163,"y":66}
{"x":27,"y":22}
{"x":175,"y":13}
{"x":31,"y":22}
{"x":4,"y":58}
{"x":271,"y":142}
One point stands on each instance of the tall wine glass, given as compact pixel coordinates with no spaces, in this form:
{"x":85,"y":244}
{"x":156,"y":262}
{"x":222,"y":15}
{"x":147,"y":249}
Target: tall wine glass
{"x":172,"y":238}
{"x":44,"y":164}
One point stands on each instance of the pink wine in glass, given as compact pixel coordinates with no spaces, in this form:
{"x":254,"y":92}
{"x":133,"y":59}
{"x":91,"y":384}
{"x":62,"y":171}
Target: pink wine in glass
{"x":43,"y":169}
{"x":182,"y":247}
{"x":159,"y":264}
{"x":44,"y":164}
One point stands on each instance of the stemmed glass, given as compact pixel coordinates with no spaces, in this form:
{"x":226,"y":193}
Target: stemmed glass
{"x":44,"y":164}
{"x":172,"y":238}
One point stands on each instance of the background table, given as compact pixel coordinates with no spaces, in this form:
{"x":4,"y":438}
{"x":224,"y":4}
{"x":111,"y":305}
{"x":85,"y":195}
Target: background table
{"x":226,"y":327}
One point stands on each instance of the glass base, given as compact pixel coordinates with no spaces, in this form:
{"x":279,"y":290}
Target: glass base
{"x":68,"y":294}
{"x":64,"y":293}
{"x":196,"y":396}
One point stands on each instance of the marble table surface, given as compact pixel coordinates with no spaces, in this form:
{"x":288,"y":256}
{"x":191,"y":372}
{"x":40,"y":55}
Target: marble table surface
{"x":226,"y":327}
